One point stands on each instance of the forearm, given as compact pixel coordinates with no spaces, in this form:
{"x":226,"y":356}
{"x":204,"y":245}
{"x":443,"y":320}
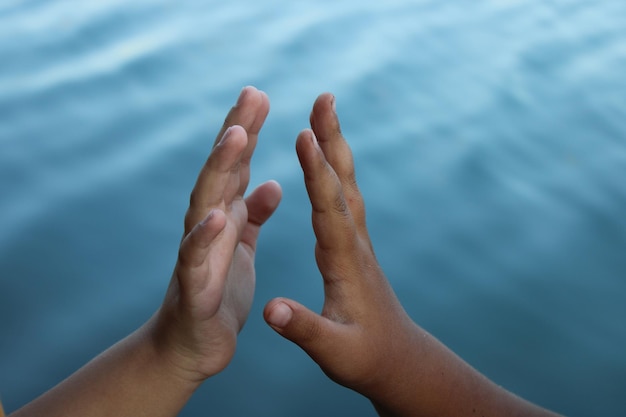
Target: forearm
{"x":132,"y":378}
{"x":433,"y":381}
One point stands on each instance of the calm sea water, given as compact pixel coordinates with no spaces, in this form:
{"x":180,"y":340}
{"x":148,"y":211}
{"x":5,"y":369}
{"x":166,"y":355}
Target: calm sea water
{"x":490,"y":144}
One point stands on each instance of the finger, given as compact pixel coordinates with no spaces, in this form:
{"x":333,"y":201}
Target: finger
{"x":249,"y":112}
{"x":218,"y":177}
{"x":195,"y":247}
{"x":261,"y":205}
{"x":332,"y":220}
{"x":325,"y":124}
{"x":318,"y":336}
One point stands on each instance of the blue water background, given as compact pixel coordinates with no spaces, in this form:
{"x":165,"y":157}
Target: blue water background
{"x":490,"y":146}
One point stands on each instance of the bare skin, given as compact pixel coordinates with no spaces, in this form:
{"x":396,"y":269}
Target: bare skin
{"x":363,"y":339}
{"x":155,"y":370}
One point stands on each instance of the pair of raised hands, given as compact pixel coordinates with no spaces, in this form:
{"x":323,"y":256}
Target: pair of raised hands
{"x":362,"y":332}
{"x":363,"y":339}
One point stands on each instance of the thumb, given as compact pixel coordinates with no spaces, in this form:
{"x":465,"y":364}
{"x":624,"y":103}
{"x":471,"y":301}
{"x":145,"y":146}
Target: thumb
{"x":261,"y":205}
{"x":313,"y":333}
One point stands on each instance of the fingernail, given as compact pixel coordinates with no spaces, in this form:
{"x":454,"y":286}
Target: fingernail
{"x":208,"y":217}
{"x":314,"y":139}
{"x":280,"y":316}
{"x":225,"y":135}
{"x":244,"y":92}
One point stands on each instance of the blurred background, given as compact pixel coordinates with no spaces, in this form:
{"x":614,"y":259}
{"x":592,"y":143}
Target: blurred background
{"x":490,"y":146}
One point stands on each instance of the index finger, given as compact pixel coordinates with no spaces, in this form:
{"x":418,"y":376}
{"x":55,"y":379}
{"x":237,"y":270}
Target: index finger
{"x":333,"y":223}
{"x":325,"y":124}
{"x":249,"y":112}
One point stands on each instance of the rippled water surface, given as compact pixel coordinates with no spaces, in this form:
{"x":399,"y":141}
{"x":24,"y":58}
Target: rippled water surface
{"x":490,"y":145}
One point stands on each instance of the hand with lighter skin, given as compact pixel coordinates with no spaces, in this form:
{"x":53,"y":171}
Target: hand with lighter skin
{"x":363,"y":339}
{"x":155,"y":370}
{"x":211,"y":293}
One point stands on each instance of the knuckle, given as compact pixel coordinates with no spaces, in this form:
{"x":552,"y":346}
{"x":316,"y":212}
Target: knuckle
{"x":310,"y":332}
{"x":340,"y":206}
{"x":351,"y":180}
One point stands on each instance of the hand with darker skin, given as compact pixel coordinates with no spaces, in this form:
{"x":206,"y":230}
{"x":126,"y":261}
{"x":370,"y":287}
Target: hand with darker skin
{"x":363,"y":338}
{"x":362,"y":324}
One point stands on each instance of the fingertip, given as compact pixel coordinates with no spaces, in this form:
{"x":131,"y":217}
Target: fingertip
{"x":252,"y":97}
{"x":236,"y":130}
{"x":277,"y":190}
{"x":308,"y":151}
{"x":274,"y":185}
{"x":324,"y":101}
{"x":324,"y":106}
{"x":306,"y":138}
{"x":242,"y":95}
{"x":215,"y":215}
{"x":305,"y":134}
{"x":233,"y":143}
{"x":278,"y":314}
{"x":209,"y":227}
{"x":195,"y":244}
{"x":298,"y":324}
{"x":225,"y":136}
{"x":265,"y":99}
{"x":324,"y":119}
{"x":262,"y":202}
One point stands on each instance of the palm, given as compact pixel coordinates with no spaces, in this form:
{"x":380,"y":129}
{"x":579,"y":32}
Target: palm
{"x":234,"y":301}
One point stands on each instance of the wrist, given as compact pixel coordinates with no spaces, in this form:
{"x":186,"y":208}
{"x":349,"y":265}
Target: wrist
{"x":161,"y":346}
